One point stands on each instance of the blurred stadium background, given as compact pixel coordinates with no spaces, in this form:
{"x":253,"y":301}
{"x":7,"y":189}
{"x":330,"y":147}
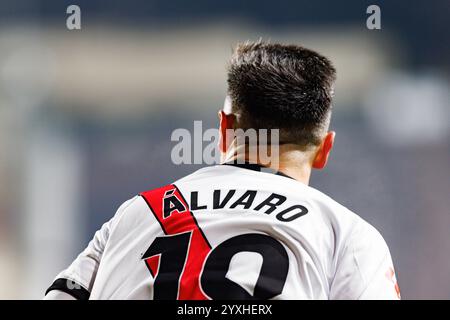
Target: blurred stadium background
{"x":86,"y":118}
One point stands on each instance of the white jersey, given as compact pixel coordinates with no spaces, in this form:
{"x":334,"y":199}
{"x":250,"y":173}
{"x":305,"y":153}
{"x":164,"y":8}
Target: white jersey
{"x":232,"y":232}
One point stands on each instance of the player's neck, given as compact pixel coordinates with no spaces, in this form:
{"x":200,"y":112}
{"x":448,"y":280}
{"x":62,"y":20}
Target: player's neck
{"x":291,"y":160}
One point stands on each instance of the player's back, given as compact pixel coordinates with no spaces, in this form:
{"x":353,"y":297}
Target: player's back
{"x":235,"y":232}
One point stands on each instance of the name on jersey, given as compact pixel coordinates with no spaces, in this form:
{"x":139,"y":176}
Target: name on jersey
{"x":229,"y":199}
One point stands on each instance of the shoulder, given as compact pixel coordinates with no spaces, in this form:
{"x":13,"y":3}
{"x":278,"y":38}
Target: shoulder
{"x":342,"y":219}
{"x":364,"y":232}
{"x":132,"y":207}
{"x":366,"y":244}
{"x":360,"y":239}
{"x":125,"y":205}
{"x":353,"y":236}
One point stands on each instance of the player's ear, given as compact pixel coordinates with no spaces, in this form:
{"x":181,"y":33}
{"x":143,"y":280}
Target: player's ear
{"x":226,"y":122}
{"x":322,"y":154}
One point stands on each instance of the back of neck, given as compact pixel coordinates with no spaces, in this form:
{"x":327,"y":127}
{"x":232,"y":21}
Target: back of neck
{"x":290,"y":159}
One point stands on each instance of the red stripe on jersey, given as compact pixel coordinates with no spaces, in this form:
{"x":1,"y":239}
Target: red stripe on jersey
{"x":179,"y":219}
{"x":153,"y":264}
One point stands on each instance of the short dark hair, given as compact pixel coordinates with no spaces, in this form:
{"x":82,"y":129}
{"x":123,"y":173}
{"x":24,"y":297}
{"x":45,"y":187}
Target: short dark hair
{"x":285,"y":87}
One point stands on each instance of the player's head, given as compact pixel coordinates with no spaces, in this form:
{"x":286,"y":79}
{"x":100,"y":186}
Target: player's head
{"x":285,"y":87}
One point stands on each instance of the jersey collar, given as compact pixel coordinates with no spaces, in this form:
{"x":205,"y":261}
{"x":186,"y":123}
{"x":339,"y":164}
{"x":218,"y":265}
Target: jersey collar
{"x":255,"y":167}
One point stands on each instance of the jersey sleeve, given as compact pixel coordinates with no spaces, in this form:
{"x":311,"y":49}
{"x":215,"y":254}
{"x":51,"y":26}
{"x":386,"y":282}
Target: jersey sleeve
{"x":365,"y":270}
{"x":58,"y":295}
{"x":77,"y":280}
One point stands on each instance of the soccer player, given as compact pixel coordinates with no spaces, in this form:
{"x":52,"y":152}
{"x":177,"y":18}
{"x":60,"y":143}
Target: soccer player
{"x":238,"y":230}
